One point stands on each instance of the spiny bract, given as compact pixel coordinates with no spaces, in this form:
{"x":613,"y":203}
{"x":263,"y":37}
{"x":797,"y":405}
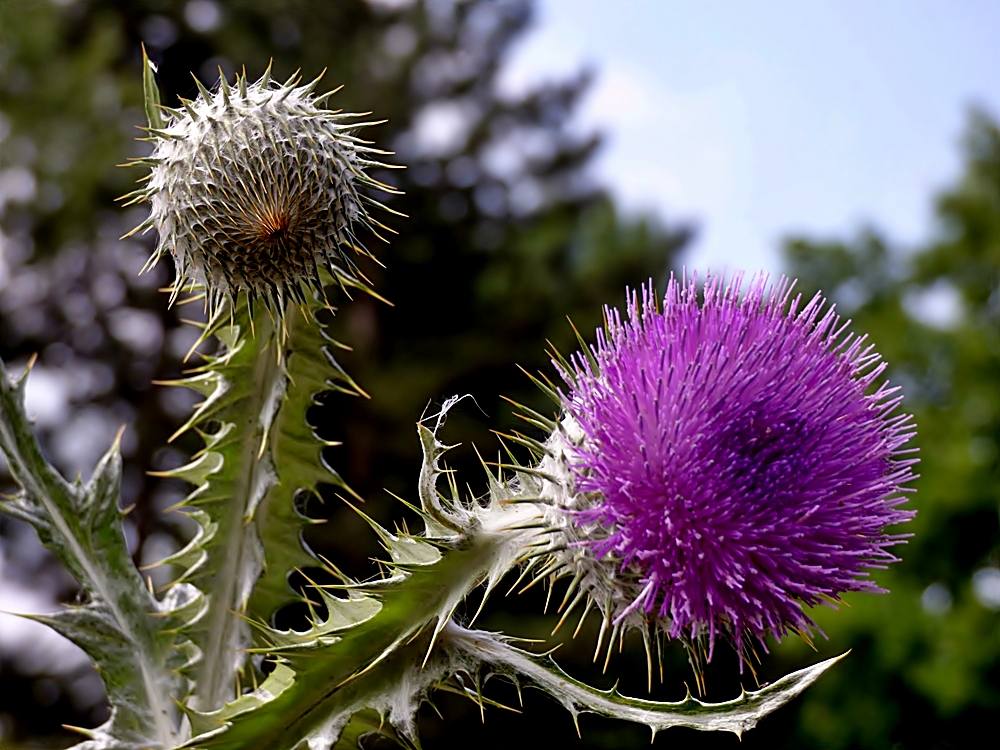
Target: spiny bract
{"x":730,"y":464}
{"x":255,"y":188}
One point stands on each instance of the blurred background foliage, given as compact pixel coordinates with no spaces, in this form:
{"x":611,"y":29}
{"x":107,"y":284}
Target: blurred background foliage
{"x":506,"y":236}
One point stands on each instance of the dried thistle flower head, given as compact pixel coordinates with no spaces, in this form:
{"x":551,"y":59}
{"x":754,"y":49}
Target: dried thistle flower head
{"x":255,"y":188}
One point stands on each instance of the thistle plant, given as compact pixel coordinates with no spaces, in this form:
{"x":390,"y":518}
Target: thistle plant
{"x":713,"y":467}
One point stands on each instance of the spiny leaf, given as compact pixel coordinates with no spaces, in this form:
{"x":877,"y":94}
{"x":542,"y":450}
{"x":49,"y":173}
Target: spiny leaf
{"x":737,"y":715}
{"x":341,"y":614}
{"x":206,"y":724}
{"x":386,"y":665}
{"x":136,"y":641}
{"x":388,"y":661}
{"x":258,"y":457}
{"x":151,"y":92}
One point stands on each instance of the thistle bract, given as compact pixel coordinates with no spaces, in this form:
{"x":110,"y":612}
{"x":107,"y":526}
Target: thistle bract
{"x":255,"y":188}
{"x":737,"y":461}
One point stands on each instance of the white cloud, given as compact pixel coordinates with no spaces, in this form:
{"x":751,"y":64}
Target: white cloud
{"x":679,"y":152}
{"x":762,"y":122}
{"x":682,"y":153}
{"x":625,"y":97}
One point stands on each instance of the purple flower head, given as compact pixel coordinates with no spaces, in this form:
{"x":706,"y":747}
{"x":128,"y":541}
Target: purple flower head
{"x":741,"y":460}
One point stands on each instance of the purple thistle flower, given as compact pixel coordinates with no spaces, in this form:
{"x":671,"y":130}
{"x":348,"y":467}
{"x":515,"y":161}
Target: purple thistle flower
{"x":737,"y":462}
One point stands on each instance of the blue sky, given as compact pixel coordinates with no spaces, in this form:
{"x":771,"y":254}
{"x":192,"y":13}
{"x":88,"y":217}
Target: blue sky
{"x":759,"y":119}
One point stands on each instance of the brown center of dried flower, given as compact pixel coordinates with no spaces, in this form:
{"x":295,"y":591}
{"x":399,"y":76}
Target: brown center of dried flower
{"x":273,"y":223}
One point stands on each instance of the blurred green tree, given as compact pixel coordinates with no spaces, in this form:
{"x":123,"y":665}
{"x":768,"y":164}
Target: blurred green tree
{"x":925,"y":667}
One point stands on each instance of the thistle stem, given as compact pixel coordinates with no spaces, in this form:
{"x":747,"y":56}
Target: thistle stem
{"x":228,"y":635}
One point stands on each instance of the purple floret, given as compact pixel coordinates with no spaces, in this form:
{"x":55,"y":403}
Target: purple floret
{"x":743,"y":459}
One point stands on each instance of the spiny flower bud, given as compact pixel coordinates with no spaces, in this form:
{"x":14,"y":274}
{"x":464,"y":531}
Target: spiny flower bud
{"x":255,"y":188}
{"x":730,"y":462}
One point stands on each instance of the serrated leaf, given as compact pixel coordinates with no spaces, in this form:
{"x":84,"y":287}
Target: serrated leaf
{"x":341,"y":614}
{"x":737,"y":715}
{"x":259,"y":455}
{"x":206,"y":724}
{"x":387,"y":662}
{"x":294,"y":447}
{"x":135,"y":640}
{"x":380,"y":651}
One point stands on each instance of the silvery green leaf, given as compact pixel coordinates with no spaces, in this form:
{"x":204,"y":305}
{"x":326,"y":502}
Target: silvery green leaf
{"x":259,"y":454}
{"x":151,"y":92}
{"x":136,"y":640}
{"x":737,"y":715}
{"x":385,"y":665}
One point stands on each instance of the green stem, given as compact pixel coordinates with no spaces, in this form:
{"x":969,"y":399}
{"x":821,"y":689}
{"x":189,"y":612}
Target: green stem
{"x":241,"y":553}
